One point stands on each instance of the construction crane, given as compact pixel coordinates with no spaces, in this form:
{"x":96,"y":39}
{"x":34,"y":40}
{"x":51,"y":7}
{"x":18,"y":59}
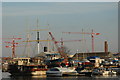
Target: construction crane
{"x":13,"y":45}
{"x":66,"y":41}
{"x":89,"y":33}
{"x":58,"y":48}
{"x":55,"y":42}
{"x":62,"y":43}
{"x":36,"y":40}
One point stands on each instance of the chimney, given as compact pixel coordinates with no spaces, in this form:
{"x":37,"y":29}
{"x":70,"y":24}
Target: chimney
{"x":106,"y":46}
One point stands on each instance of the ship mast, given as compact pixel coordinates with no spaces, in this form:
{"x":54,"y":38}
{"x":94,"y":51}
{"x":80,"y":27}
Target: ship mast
{"x":38,"y":43}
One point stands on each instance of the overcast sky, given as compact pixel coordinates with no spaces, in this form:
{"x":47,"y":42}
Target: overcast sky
{"x":102,"y":17}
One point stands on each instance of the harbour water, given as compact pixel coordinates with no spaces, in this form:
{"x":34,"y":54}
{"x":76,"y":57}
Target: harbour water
{"x":6,"y":76}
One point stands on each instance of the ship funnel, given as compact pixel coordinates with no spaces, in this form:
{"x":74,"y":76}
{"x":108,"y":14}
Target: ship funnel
{"x":45,"y":49}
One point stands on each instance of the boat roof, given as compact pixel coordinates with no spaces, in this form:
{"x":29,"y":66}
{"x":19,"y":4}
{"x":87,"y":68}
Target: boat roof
{"x":22,"y":58}
{"x":46,"y":54}
{"x":51,"y":53}
{"x":63,"y":69}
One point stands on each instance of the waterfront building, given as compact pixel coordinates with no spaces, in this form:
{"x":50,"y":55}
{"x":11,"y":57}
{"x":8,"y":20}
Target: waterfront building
{"x":80,"y":56}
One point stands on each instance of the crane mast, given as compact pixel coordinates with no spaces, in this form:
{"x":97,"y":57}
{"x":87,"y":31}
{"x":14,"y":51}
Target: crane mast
{"x":13,"y":49}
{"x":13,"y":45}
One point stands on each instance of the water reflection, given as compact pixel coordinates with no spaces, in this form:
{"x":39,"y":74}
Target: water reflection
{"x":64,"y":78}
{"x":42,"y":76}
{"x":7,"y":76}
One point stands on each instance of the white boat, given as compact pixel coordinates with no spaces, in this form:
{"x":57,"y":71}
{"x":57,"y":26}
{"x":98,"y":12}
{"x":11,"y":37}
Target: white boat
{"x":103,"y":71}
{"x":61,"y":71}
{"x":4,"y":66}
{"x":109,"y":72}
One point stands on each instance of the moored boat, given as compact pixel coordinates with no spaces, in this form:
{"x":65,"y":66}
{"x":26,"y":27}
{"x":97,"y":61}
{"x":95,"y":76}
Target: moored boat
{"x":103,"y":71}
{"x":23,"y":67}
{"x":61,"y":71}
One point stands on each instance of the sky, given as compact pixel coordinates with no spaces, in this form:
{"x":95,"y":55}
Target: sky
{"x":60,"y":0}
{"x":102,"y":17}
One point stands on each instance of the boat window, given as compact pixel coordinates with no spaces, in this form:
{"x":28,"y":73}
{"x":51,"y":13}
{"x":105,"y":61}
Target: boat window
{"x":54,"y":69}
{"x":41,"y":66}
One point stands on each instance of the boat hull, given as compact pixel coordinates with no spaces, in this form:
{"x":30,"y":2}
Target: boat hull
{"x":59,"y":71}
{"x":17,"y":70}
{"x":54,"y":74}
